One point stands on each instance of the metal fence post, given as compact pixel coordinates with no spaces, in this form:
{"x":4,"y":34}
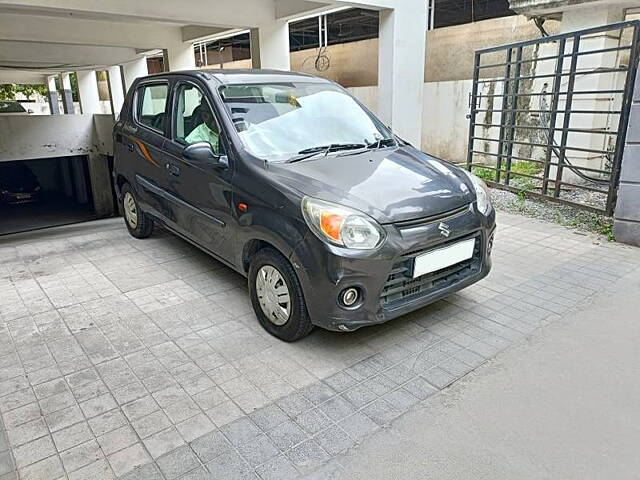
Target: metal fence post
{"x":567,"y":114}
{"x":554,"y":111}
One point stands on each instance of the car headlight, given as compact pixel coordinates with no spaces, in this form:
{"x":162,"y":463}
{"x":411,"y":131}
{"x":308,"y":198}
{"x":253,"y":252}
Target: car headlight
{"x":341,"y":225}
{"x":483,"y":197}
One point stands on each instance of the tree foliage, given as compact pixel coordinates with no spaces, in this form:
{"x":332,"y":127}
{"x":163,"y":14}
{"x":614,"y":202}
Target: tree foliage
{"x":8,"y":91}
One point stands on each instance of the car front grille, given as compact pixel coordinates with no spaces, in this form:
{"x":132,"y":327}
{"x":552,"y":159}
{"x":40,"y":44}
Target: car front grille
{"x":401,"y":287}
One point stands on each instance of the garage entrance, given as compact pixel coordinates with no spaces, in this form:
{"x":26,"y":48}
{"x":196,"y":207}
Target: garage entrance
{"x":43,"y":193}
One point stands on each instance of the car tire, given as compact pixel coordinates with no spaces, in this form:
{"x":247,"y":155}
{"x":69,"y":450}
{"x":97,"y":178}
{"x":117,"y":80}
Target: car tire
{"x":139,"y":224}
{"x":297,"y":323}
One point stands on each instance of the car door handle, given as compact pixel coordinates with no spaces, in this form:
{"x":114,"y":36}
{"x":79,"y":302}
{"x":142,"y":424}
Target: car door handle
{"x":173,"y":170}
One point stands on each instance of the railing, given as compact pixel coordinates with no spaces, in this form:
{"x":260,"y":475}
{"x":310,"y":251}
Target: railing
{"x":549,"y":116}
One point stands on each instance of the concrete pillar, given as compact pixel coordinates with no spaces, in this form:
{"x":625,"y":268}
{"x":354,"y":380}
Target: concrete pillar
{"x":54,"y":104}
{"x":626,"y":226}
{"x":67,"y":96}
{"x":270,"y":46}
{"x":401,"y":68}
{"x":180,"y":57}
{"x":88,"y":90}
{"x":134,"y":69}
{"x":116,"y":89}
{"x":582,"y":16}
{"x":101,"y":180}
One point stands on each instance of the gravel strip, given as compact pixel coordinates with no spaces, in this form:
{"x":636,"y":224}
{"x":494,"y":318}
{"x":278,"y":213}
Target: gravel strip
{"x":578,"y":220}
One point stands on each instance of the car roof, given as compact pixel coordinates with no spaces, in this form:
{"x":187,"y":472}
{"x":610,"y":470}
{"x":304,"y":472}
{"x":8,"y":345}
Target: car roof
{"x":243,"y":76}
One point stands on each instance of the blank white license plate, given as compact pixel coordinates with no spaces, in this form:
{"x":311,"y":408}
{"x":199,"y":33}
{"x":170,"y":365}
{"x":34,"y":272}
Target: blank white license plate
{"x":443,"y":257}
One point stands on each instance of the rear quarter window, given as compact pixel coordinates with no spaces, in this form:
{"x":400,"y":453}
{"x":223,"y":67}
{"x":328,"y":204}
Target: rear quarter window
{"x":151,"y":108}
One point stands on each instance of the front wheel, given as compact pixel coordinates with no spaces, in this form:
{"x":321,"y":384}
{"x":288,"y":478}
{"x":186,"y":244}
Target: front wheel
{"x":276,"y":296}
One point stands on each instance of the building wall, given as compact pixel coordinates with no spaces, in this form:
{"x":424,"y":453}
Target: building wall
{"x":450,"y":52}
{"x":445,"y":125}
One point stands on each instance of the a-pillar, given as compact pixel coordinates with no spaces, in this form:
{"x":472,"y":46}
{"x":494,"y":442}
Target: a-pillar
{"x":270,"y":46}
{"x":116,"y":89}
{"x":67,"y":96}
{"x":179,"y":57}
{"x":88,"y":91}
{"x":401,"y":59}
{"x":134,"y":69}
{"x":54,"y":103}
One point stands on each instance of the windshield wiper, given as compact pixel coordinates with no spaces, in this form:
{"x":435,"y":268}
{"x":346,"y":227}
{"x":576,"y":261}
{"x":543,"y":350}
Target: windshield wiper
{"x":325,"y":149}
{"x":383,"y":142}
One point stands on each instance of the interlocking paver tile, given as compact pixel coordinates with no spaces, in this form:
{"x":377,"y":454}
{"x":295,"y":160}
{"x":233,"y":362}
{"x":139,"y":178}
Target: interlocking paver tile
{"x":33,"y":451}
{"x":117,"y":439}
{"x":195,"y":427}
{"x":231,"y":466}
{"x":72,"y":436}
{"x":307,"y":456}
{"x":81,"y":455}
{"x":162,"y":442}
{"x":241,"y":431}
{"x":278,"y":468}
{"x":286,"y":435}
{"x":47,"y":469}
{"x":269,"y":417}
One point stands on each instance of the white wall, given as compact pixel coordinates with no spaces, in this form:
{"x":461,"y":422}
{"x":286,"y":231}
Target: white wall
{"x":42,"y":136}
{"x":445,"y":125}
{"x":42,"y":108}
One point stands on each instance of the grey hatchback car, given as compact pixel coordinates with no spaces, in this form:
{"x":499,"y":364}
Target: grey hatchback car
{"x":292,"y":182}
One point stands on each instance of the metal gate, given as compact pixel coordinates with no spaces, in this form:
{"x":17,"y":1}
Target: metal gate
{"x":549,"y":116}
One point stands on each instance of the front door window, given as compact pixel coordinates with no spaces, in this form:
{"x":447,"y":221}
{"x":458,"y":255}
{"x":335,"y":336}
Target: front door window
{"x":195,"y":121}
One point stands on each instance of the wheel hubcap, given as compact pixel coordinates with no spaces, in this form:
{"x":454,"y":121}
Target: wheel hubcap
{"x":130,"y":210}
{"x":273,"y":295}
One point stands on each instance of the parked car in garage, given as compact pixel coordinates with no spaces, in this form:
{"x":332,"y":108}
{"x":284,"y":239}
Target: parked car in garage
{"x":18,"y":184}
{"x":291,"y":181}
{"x":11,"y":107}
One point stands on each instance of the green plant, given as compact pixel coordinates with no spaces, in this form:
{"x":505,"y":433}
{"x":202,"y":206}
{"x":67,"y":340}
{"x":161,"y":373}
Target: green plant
{"x":484,"y":173}
{"x":8,"y":91}
{"x":604,"y":226}
{"x":526,"y":168}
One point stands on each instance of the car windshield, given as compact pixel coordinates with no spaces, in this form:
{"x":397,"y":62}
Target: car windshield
{"x":11,"y":107}
{"x":277,"y":121}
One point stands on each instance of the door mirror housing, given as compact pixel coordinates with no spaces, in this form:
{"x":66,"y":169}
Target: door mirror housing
{"x":202,"y":153}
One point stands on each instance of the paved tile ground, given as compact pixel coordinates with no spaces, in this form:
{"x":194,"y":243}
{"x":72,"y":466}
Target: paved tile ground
{"x":142,"y":359}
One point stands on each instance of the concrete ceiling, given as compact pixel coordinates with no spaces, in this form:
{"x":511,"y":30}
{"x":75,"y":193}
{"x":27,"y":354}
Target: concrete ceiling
{"x":53,"y":36}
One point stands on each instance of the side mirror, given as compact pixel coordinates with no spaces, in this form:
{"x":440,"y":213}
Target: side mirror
{"x":202,"y":152}
{"x":29,"y":112}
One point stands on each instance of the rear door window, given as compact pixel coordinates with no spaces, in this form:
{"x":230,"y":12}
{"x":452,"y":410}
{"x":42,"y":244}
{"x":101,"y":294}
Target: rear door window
{"x":152,"y":106}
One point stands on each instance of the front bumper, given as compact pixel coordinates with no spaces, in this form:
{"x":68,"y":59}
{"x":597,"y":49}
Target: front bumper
{"x":19,"y":198}
{"x":325,"y":271}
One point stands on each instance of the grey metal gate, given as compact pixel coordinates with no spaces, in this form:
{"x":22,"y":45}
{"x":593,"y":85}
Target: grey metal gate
{"x":549,"y":116}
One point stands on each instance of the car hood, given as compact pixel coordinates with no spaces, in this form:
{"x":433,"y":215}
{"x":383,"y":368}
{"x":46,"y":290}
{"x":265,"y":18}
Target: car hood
{"x":391,"y":185}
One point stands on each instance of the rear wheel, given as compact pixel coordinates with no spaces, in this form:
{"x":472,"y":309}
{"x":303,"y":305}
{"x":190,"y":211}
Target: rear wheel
{"x":139,"y":224}
{"x":277,"y":297}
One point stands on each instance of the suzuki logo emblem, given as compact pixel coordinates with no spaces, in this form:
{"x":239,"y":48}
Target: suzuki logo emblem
{"x":444,"y":230}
